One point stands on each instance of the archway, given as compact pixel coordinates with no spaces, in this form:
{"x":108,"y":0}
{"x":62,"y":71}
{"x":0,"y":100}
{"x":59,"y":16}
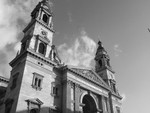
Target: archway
{"x":89,"y":104}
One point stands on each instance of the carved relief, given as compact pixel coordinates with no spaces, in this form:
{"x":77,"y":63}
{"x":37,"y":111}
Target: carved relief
{"x":69,"y":82}
{"x":72,"y":85}
{"x":88,"y":74}
{"x":77,"y":87}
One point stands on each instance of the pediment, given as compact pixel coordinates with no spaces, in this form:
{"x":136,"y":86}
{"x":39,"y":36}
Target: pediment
{"x":91,"y":76}
{"x":35,"y":101}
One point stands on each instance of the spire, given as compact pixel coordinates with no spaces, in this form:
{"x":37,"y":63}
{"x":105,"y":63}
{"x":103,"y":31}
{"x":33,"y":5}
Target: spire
{"x":47,"y":3}
{"x":43,"y":5}
{"x":100,"y":49}
{"x":100,"y":43}
{"x":101,"y":58}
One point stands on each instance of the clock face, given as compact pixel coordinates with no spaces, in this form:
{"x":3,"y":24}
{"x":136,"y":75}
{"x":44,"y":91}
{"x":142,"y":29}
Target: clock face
{"x":44,"y":33}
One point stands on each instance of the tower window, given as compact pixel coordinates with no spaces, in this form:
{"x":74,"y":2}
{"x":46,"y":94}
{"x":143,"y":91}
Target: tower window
{"x":42,"y":48}
{"x":100,"y":63}
{"x":45,"y":18}
{"x":37,"y":81}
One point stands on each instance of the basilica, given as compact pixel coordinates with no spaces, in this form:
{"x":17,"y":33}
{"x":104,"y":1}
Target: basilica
{"x":40,"y":83}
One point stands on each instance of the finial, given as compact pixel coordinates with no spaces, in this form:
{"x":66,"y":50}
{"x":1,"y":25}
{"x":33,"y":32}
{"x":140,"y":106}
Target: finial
{"x":46,"y":1}
{"x":100,"y":43}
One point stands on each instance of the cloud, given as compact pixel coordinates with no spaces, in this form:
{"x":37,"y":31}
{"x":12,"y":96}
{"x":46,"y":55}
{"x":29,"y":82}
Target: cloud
{"x":81,"y":53}
{"x":117,"y":50}
{"x":70,"y":17}
{"x":14,"y":15}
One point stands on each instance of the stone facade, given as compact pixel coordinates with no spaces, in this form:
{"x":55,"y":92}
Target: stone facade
{"x":40,"y":83}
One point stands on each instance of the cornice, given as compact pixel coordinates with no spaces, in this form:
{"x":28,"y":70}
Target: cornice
{"x":106,"y":67}
{"x":29,"y":25}
{"x":40,"y":57}
{"x":45,"y":25}
{"x":4,"y":79}
{"x":36,"y":20}
{"x":33,"y":54}
{"x":116,"y":95}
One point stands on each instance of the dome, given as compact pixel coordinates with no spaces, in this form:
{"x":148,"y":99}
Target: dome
{"x":46,"y":4}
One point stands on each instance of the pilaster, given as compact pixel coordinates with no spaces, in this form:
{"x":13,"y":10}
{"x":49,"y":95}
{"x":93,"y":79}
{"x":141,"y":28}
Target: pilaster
{"x":77,"y":98}
{"x":66,"y":105}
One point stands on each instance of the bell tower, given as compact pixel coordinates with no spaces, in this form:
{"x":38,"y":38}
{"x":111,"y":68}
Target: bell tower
{"x":103,"y":67}
{"x":32,"y":78}
{"x":38,"y":35}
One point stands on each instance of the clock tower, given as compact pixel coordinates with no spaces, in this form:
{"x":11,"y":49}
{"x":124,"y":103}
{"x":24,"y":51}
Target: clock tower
{"x":38,"y":35}
{"x":33,"y":67}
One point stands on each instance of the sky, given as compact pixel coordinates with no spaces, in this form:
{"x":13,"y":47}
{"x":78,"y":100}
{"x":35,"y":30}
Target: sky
{"x":121,"y":25}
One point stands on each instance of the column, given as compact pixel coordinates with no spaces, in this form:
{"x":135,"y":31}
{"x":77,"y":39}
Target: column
{"x":66,"y":105}
{"x":110,"y":102}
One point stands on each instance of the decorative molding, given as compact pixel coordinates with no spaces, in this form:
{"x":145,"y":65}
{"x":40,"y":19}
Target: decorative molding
{"x":72,"y":84}
{"x":69,"y":82}
{"x":89,"y":75}
{"x":3,"y":79}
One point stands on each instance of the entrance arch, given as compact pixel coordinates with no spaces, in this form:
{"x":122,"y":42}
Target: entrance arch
{"x":89,"y":104}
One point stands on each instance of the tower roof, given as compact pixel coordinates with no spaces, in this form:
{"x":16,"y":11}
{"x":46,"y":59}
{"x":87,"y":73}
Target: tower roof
{"x":101,"y":50}
{"x":45,"y":5}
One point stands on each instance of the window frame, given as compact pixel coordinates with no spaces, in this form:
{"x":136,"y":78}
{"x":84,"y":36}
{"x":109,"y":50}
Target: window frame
{"x":54,"y":89}
{"x":34,"y":104}
{"x":47,"y":17}
{"x":44,"y":48}
{"x":100,"y":63}
{"x":35,"y":82}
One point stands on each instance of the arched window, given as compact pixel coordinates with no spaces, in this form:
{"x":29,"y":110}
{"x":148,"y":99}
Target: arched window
{"x":42,"y":48}
{"x":89,"y":104}
{"x":45,"y":18}
{"x":33,"y":111}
